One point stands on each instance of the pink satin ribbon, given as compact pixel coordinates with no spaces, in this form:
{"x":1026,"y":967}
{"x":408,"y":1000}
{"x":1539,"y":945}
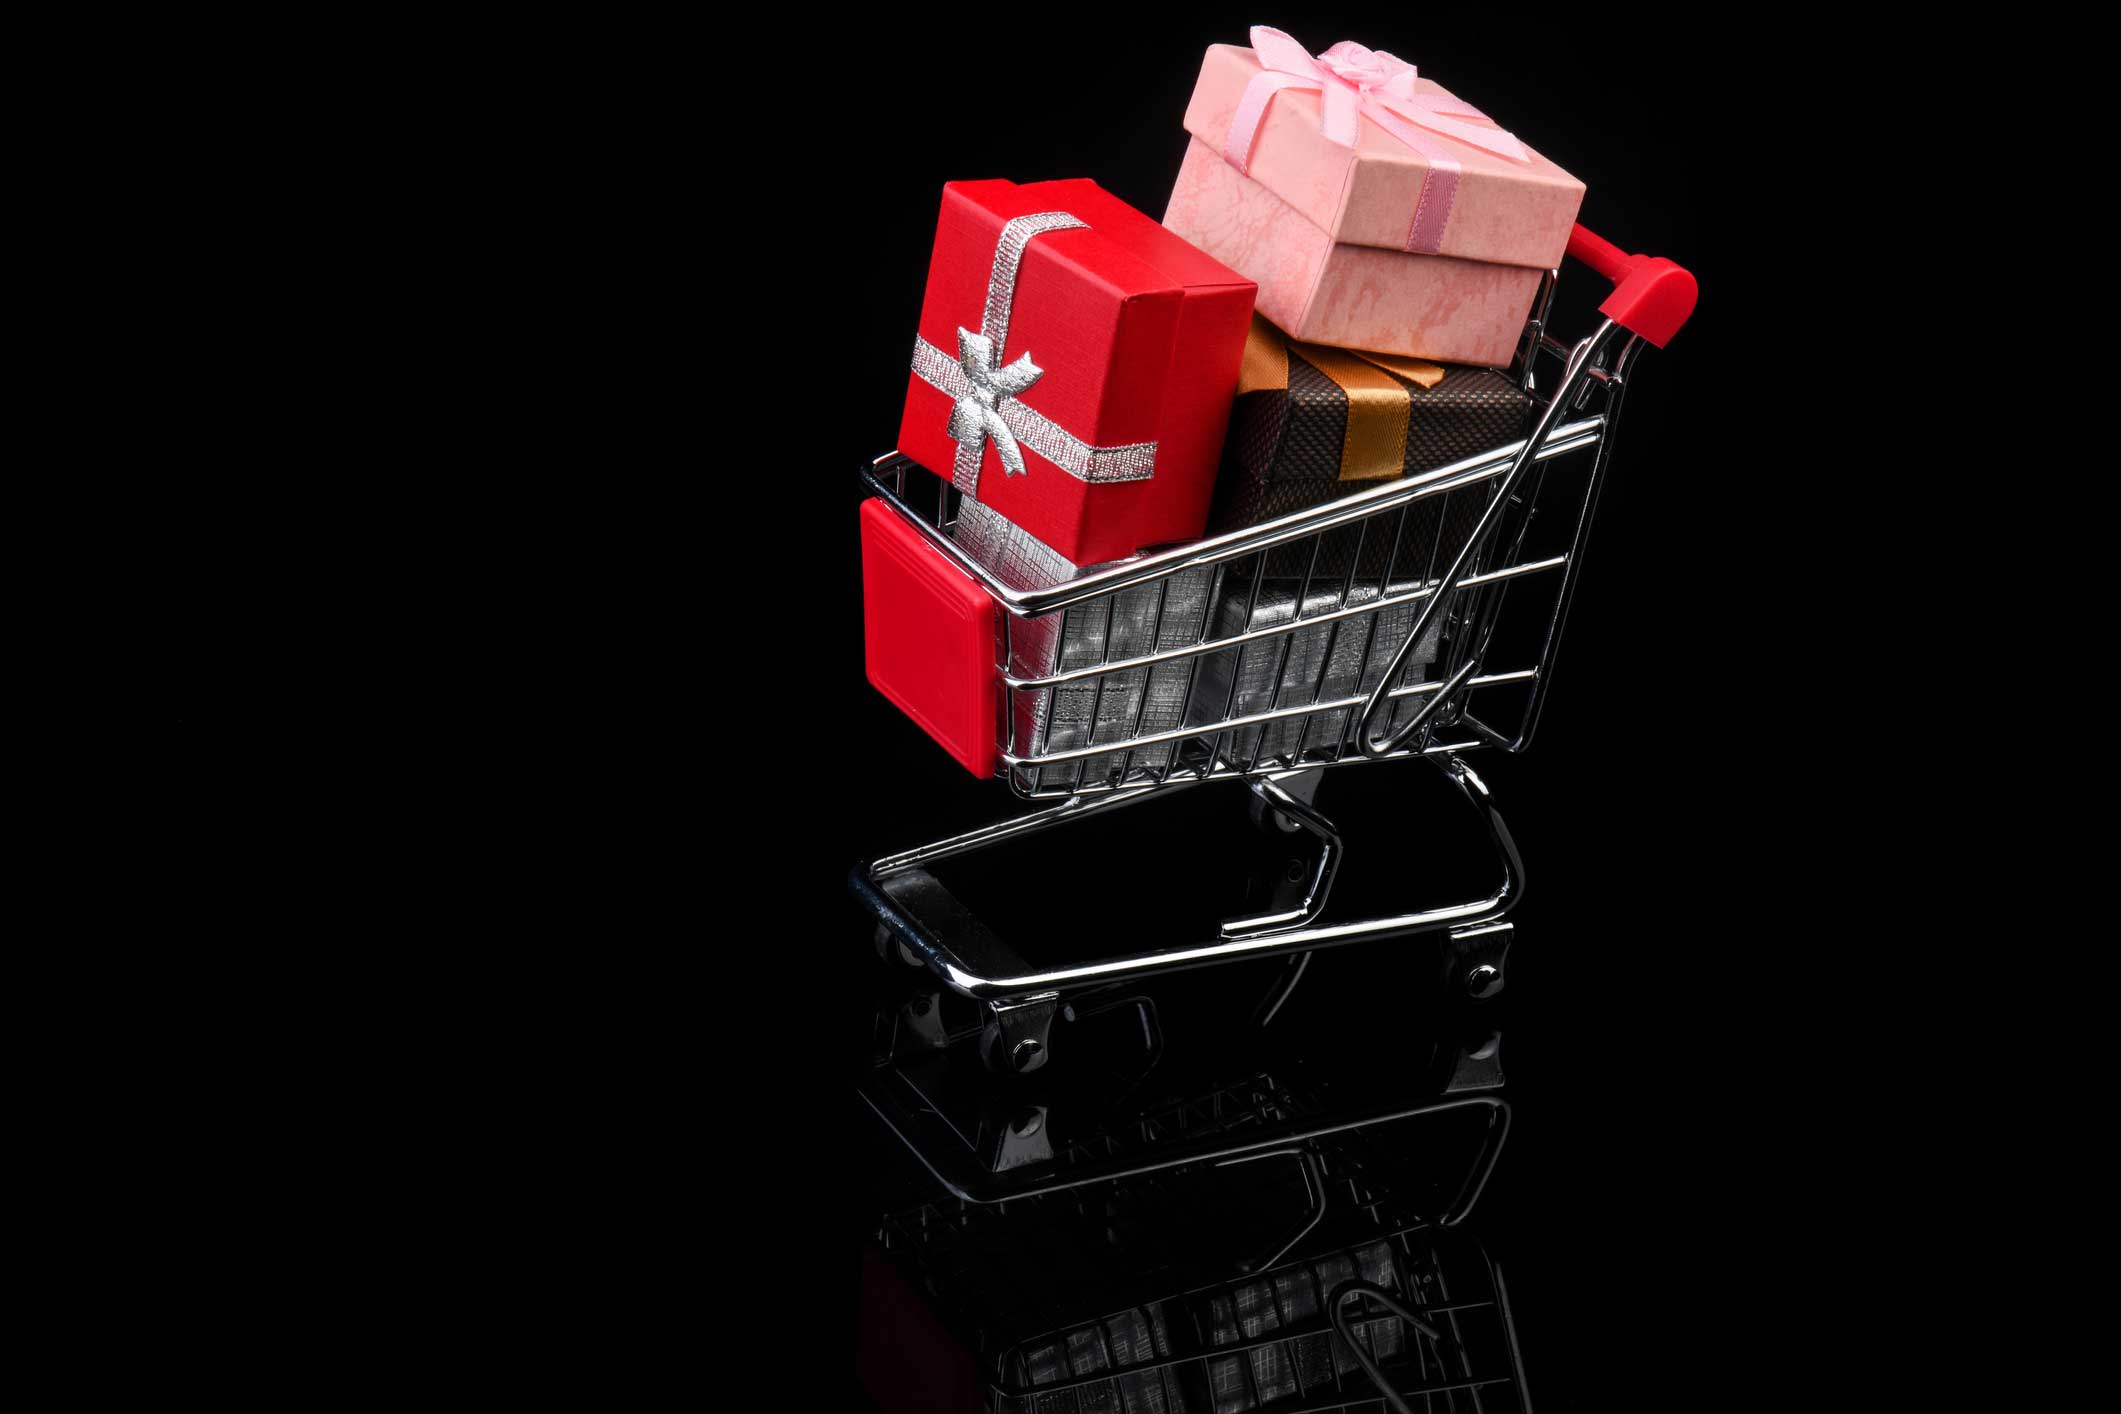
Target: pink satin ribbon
{"x":1354,"y":83}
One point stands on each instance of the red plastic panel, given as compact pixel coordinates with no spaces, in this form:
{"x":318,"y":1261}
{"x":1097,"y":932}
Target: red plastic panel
{"x":929,"y":632}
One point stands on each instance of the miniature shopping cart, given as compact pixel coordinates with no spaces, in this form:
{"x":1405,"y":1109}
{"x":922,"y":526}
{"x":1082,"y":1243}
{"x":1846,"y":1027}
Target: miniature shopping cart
{"x":1419,"y":618}
{"x":1262,"y":1273}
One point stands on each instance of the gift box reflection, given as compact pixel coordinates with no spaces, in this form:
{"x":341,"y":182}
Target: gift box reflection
{"x":1247,"y":1313}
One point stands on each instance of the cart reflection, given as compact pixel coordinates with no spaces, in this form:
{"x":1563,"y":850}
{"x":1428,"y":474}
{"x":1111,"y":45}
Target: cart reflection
{"x":1312,"y":1276}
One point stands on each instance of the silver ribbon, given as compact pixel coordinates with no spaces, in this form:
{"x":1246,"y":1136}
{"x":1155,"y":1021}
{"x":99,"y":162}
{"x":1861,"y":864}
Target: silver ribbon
{"x":984,"y":396}
{"x":973,"y":419}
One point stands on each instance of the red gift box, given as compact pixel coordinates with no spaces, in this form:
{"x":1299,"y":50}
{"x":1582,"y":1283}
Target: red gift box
{"x":1075,"y":366}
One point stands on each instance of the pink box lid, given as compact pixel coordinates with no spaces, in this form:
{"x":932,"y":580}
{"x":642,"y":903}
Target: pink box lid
{"x":1506,"y":212}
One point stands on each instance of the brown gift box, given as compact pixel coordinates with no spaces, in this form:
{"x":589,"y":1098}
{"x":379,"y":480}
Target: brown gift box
{"x":1312,"y":424}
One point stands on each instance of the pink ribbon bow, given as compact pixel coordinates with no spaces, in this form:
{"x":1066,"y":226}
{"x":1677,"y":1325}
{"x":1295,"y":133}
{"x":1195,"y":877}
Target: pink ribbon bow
{"x":1354,"y":83}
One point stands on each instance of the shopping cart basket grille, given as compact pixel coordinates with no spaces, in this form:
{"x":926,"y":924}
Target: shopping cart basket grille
{"x":1091,"y":658}
{"x":1256,"y":650}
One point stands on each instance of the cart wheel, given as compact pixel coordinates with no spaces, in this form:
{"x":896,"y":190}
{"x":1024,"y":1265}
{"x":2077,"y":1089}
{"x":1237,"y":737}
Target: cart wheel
{"x":1020,"y":1057}
{"x":888,"y":946}
{"x":1474,"y":959}
{"x":1016,"y":1036}
{"x":1269,"y":821}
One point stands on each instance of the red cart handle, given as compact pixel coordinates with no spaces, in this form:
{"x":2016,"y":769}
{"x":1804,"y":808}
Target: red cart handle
{"x":1651,"y":296}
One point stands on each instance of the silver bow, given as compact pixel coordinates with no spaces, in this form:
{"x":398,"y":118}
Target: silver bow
{"x":977,"y":415}
{"x":984,"y":401}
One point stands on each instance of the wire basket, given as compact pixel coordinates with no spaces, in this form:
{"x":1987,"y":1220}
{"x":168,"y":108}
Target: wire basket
{"x":1361,"y":629}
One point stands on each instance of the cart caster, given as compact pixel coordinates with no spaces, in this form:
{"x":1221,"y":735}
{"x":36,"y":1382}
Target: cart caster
{"x":1023,"y":1139}
{"x":1473,"y":960}
{"x":1017,"y":1039}
{"x":1302,"y":785}
{"x":1477,"y":1064}
{"x":888,"y":947}
{"x":1012,"y":1058}
{"x":1271,"y":822}
{"x":920,"y":1021}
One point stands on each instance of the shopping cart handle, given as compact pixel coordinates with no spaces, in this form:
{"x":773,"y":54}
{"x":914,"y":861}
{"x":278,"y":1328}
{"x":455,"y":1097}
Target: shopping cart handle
{"x":1651,"y":296}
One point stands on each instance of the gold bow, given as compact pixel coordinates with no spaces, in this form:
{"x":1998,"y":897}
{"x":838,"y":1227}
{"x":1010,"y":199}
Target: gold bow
{"x":1375,"y":447}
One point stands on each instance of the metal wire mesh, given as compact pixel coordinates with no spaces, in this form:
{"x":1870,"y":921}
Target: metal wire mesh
{"x":1267,"y":1342}
{"x":1169,"y":1341}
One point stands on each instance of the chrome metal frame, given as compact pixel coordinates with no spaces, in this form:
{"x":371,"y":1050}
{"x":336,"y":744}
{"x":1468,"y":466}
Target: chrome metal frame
{"x":1466,"y":600}
{"x":886,"y":888}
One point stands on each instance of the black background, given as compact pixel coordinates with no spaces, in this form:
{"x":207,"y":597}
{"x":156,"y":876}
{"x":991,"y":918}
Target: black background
{"x":500,"y":387}
{"x":1669,"y":1050}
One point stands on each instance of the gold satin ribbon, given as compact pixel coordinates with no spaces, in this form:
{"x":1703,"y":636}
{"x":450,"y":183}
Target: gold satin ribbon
{"x":1375,"y":447}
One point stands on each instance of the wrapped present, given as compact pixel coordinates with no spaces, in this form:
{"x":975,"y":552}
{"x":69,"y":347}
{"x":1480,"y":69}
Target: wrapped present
{"x":1296,"y":1296}
{"x":1375,"y":209}
{"x":1330,"y":661}
{"x":1074,"y":366}
{"x":1150,"y":617}
{"x":1314,"y":423}
{"x":1137,"y":1336}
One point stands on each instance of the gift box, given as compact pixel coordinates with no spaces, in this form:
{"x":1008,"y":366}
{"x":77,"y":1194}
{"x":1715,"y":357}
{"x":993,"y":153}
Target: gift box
{"x":1074,"y":366}
{"x":1312,"y":424}
{"x":1374,"y":209}
{"x":1138,"y":1336}
{"x":1320,"y":664}
{"x":1296,"y":1296}
{"x":1127,"y":624}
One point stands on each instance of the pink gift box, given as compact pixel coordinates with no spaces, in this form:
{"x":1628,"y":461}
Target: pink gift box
{"x":1427,"y":236}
